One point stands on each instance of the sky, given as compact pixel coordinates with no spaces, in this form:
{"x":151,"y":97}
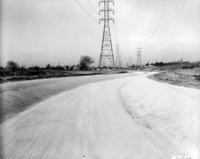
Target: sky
{"x":38,"y":32}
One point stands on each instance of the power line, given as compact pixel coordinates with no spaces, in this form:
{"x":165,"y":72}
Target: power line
{"x":157,"y":12}
{"x":169,"y":19}
{"x":85,"y":10}
{"x":166,"y":17}
{"x":93,"y":6}
{"x":160,"y":16}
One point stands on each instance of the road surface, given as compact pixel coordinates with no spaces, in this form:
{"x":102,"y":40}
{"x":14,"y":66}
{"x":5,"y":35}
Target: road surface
{"x":128,"y":118}
{"x":18,"y":96}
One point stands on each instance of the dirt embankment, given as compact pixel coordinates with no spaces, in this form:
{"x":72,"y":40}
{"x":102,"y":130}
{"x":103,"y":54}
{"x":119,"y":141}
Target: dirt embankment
{"x":16,"y":97}
{"x":180,"y":77}
{"x":118,"y":119}
{"x":45,"y":74}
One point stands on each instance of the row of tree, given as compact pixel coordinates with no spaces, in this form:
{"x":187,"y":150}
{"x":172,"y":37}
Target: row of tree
{"x":84,"y":64}
{"x":182,"y":64}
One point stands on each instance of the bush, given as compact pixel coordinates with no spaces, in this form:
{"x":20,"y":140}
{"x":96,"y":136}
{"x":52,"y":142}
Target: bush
{"x":85,"y":62}
{"x":12,"y":66}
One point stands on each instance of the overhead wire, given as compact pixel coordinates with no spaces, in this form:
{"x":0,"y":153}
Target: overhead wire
{"x":169,"y":13}
{"x":157,"y":11}
{"x":170,"y":20}
{"x":86,"y":11}
{"x":160,"y":17}
{"x":165,"y":14}
{"x":164,"y":26}
{"x":164,"y":19}
{"x":93,"y":6}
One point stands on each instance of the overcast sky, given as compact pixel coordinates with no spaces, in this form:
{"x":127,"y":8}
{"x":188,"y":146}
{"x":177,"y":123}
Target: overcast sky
{"x":38,"y":32}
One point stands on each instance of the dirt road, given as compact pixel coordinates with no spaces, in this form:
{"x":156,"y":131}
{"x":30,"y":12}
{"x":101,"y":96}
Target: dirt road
{"x":128,"y":118}
{"x":16,"y":97}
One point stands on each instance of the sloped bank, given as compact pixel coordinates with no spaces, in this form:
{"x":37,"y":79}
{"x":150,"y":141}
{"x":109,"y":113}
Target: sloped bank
{"x":16,"y":97}
{"x":179,"y":77}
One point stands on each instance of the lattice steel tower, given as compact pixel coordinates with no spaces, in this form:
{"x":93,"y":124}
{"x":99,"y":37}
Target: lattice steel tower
{"x":139,"y":59}
{"x":106,"y":58}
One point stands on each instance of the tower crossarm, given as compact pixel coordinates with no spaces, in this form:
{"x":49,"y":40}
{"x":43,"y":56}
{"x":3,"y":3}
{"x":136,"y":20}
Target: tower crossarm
{"x":106,"y":19}
{"x":106,"y":1}
{"x":106,"y":10}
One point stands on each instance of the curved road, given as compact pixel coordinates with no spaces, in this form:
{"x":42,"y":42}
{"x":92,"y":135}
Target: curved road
{"x":128,"y":118}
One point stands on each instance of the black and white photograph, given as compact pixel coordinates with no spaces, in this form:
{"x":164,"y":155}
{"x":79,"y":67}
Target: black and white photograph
{"x":99,"y":79}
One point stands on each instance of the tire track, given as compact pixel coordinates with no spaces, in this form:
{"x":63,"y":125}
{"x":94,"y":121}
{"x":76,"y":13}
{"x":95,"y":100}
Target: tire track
{"x":51,"y":139}
{"x":11,"y":146}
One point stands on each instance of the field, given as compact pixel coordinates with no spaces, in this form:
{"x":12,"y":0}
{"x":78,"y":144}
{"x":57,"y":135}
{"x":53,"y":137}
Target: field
{"x":41,"y":74}
{"x":180,"y":77}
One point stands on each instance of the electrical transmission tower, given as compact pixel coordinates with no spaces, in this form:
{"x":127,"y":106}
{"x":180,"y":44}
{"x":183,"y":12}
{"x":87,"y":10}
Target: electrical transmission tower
{"x":139,"y":59}
{"x":106,"y":56}
{"x":118,"y":57}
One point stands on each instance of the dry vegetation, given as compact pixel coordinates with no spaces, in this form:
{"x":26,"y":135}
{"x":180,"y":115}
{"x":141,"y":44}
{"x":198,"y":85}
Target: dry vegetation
{"x":181,"y":77}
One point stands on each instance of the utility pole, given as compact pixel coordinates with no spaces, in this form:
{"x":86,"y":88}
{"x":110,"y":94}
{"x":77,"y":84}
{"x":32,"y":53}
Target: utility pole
{"x":139,"y":59}
{"x":106,"y":58}
{"x":118,"y":57}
